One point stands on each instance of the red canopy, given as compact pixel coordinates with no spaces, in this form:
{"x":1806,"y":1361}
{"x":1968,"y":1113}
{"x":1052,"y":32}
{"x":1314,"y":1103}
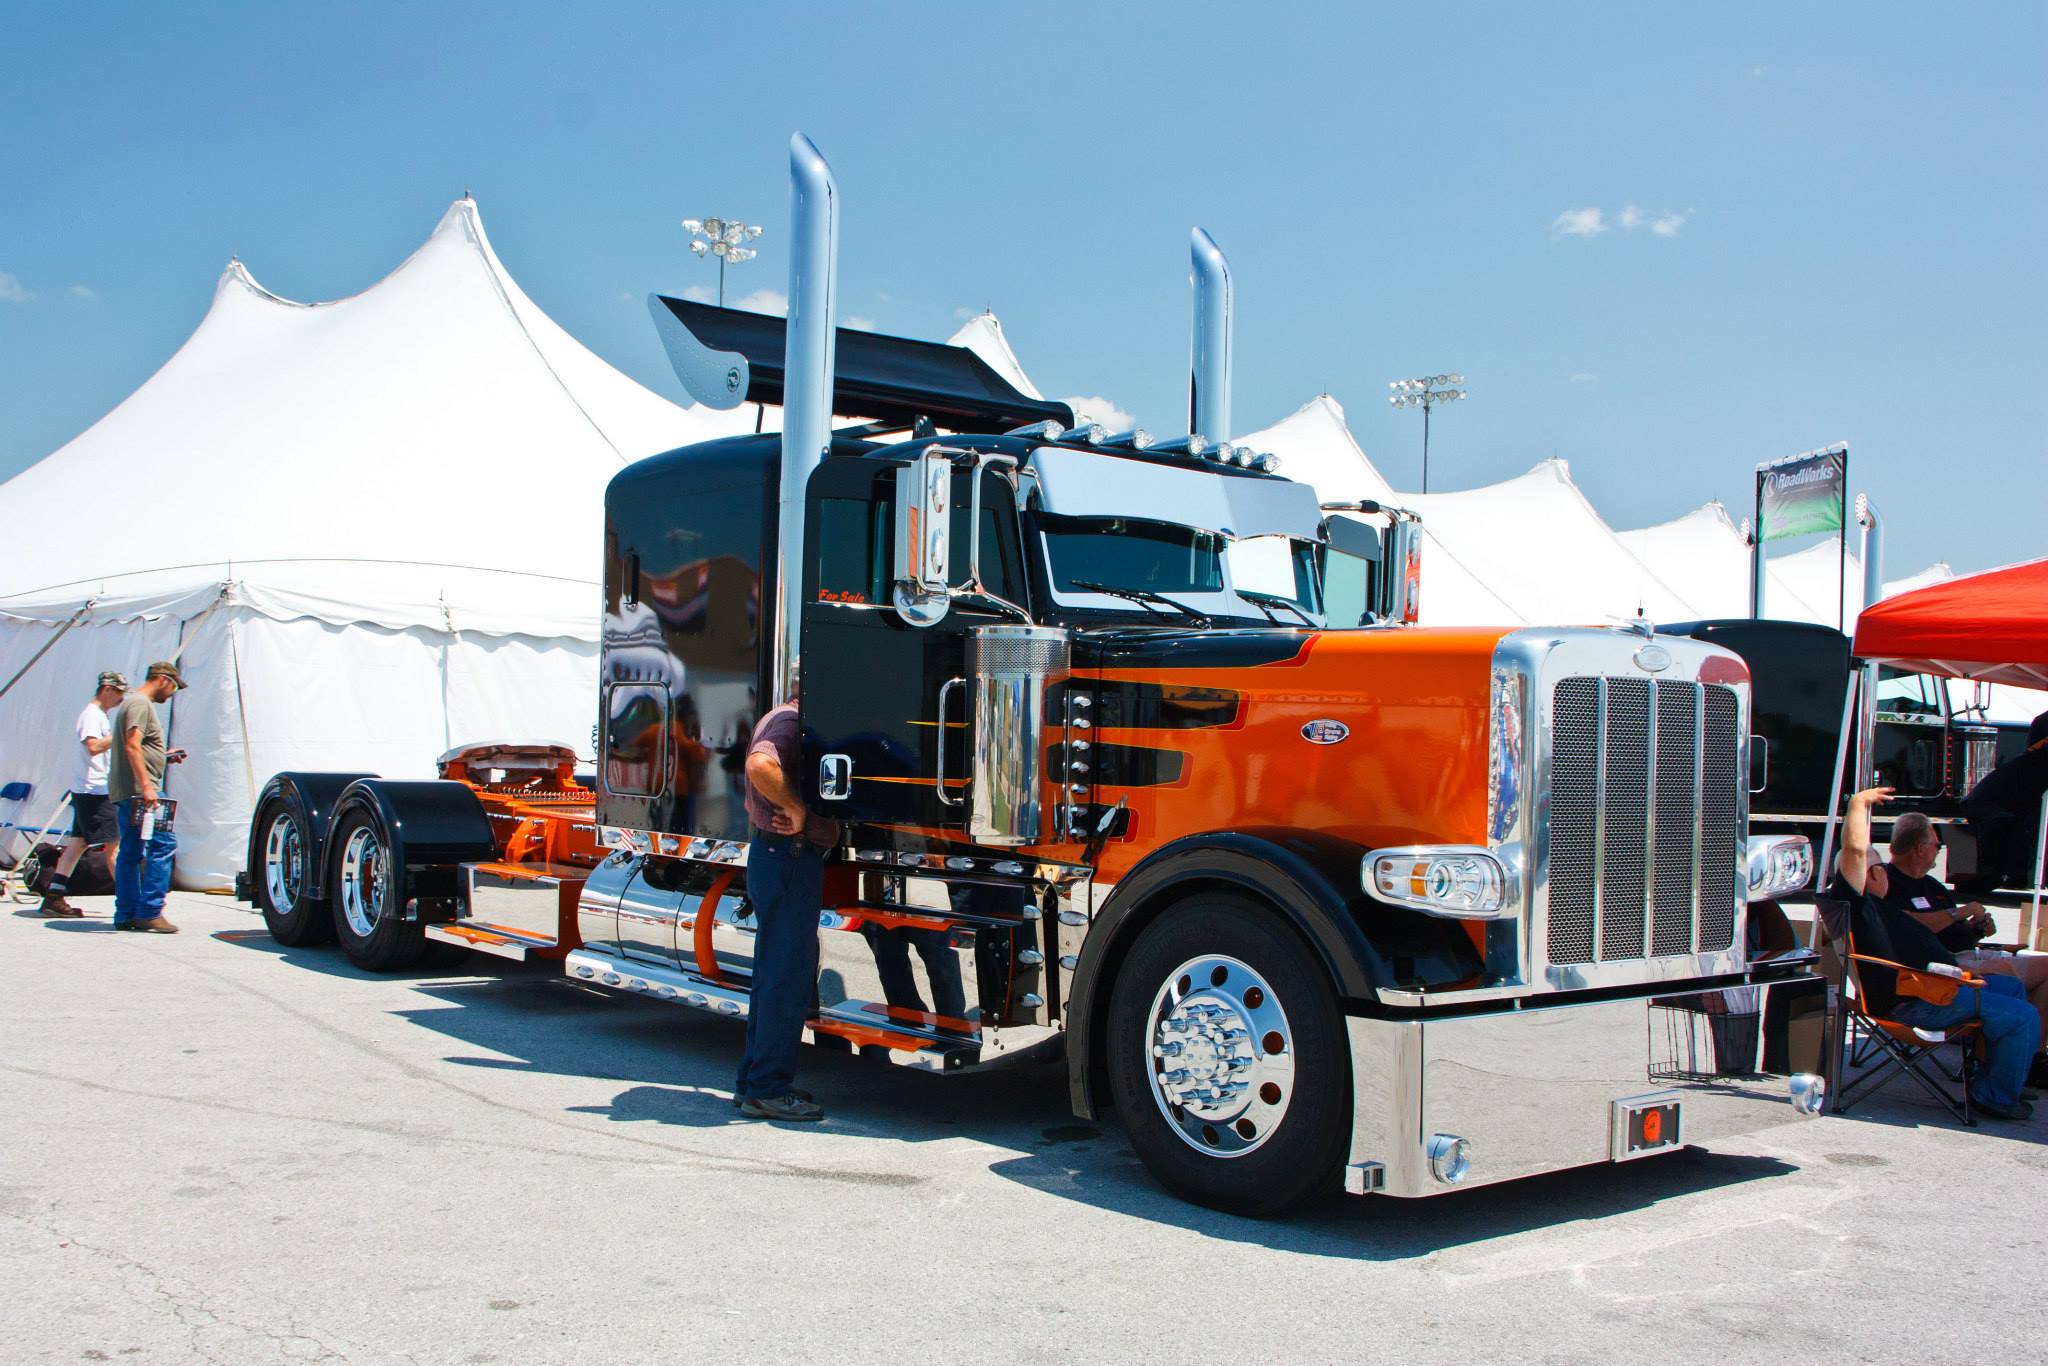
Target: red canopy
{"x":1992,"y":626}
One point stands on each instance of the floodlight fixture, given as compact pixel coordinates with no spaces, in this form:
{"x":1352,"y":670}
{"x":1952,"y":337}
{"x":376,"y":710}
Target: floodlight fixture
{"x":724,"y":238}
{"x":1429,"y":392}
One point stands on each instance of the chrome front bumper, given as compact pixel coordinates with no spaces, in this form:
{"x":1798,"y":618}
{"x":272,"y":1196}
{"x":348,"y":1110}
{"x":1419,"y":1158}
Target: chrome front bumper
{"x":1536,"y":1090}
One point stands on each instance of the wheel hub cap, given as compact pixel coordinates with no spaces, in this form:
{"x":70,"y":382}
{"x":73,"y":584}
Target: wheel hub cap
{"x":362,"y":880}
{"x":282,"y":869}
{"x":1222,"y":1056}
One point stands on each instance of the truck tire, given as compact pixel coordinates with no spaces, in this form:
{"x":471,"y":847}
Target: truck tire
{"x":368,"y":879}
{"x":1227,"y":1060}
{"x":285,"y":852}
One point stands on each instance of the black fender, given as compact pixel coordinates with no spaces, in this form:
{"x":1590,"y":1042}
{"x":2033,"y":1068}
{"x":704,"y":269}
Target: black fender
{"x":428,"y":827}
{"x":1311,"y":879}
{"x":313,"y":797}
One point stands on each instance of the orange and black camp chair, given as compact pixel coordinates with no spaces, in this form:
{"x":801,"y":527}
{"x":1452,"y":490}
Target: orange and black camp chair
{"x":1888,"y":1045}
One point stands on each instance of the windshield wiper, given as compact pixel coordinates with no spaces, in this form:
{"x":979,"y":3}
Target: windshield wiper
{"x":1260,"y":600}
{"x":1144,"y":597}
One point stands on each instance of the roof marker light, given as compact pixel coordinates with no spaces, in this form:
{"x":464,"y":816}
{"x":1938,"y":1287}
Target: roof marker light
{"x":1047,"y":430}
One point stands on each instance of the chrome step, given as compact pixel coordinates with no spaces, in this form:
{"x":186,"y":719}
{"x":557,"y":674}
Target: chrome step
{"x":495,"y":940}
{"x":667,"y":984}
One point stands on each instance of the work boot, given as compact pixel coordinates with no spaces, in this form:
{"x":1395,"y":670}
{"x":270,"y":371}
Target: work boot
{"x":787,"y":1109}
{"x":2019,"y":1109}
{"x":55,"y":906}
{"x":159,"y":925}
{"x":796,"y":1091}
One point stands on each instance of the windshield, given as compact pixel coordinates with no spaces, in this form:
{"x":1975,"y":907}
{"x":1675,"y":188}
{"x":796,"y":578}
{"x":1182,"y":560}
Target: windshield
{"x":1157,"y":557}
{"x":1265,"y":578}
{"x":1276,"y":567}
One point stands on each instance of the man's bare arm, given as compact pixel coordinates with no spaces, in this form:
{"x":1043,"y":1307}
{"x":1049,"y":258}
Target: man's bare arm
{"x":1855,"y":858}
{"x":131,"y":750}
{"x":766,"y":774}
{"x":96,"y":745}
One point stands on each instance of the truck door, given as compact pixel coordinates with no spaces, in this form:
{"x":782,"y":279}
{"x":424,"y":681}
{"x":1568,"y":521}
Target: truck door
{"x":873,"y":684}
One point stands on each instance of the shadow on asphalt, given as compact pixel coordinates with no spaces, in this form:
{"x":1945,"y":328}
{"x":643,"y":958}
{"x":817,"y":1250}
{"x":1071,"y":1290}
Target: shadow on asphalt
{"x":675,"y":1067}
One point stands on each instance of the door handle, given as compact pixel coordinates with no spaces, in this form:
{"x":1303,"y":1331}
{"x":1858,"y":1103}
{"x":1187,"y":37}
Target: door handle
{"x":945,"y":689}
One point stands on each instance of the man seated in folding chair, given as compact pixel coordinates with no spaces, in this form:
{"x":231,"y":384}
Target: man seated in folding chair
{"x":1906,"y":978}
{"x":1908,"y":884}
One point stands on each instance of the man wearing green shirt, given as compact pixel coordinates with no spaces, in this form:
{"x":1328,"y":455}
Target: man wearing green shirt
{"x":142,"y":868}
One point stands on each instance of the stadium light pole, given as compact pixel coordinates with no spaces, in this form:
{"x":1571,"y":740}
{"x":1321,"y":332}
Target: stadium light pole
{"x":724,"y":238}
{"x":1426,"y":393}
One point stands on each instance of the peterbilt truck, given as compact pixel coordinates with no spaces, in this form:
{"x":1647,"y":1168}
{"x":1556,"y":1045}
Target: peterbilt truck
{"x":1305,"y":903}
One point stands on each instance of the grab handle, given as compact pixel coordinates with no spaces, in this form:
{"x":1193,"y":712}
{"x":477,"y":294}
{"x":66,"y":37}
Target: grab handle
{"x":946,"y":688}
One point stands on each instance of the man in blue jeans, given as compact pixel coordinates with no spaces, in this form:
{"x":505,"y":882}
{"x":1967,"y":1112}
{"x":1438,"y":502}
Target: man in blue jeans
{"x":135,"y":781}
{"x":786,"y":886}
{"x":2011,"y":1028}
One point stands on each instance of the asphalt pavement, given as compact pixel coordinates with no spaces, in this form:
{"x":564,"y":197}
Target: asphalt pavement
{"x":215,"y":1149}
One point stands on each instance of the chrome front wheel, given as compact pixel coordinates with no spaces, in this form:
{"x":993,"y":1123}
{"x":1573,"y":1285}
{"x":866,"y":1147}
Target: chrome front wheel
{"x":1222,"y":1055}
{"x":1225,"y":1049}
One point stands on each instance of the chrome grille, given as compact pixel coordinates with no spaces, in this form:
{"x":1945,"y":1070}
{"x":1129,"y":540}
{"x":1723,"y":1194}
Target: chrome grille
{"x":1643,"y":809}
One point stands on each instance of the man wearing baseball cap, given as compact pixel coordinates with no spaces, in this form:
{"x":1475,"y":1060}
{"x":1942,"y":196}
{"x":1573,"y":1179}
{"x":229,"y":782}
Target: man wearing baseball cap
{"x":92,"y":812}
{"x":142,"y":869}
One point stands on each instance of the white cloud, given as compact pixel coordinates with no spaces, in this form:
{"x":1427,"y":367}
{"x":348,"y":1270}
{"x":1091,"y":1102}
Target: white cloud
{"x":83,"y":292}
{"x":967,"y":314}
{"x":860,"y":322}
{"x":11,"y":291}
{"x":1584,"y":377}
{"x":1592,"y":221}
{"x":1095,"y":408}
{"x":765,"y":301}
{"x":1757,"y":73}
{"x":700,"y":294}
{"x":1580,"y":223}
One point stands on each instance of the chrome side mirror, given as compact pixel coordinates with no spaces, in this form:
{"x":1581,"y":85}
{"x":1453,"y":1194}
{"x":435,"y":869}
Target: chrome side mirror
{"x":924,"y":530}
{"x":1402,"y":572}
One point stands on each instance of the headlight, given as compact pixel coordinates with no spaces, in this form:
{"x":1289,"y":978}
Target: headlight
{"x":1778,"y":865}
{"x":1459,"y":882}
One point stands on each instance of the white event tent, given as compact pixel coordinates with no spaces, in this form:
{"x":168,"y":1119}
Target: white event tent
{"x":368,"y":530}
{"x":1527,"y":551}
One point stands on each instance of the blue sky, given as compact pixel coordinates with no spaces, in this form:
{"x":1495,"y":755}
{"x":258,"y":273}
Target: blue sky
{"x":1837,"y":230}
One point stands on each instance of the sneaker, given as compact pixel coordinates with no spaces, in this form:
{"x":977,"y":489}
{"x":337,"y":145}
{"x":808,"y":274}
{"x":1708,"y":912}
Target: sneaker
{"x":796,"y":1091}
{"x":788,"y":1109}
{"x":157,"y":926}
{"x":2019,"y":1109}
{"x":57,"y":908}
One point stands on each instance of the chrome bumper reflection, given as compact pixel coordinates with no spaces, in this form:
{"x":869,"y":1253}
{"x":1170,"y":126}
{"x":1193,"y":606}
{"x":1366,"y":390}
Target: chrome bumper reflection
{"x":1535,"y":1090}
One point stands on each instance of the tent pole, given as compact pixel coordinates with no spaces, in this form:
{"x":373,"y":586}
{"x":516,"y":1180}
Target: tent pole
{"x":2030,"y":923}
{"x":1827,"y":841}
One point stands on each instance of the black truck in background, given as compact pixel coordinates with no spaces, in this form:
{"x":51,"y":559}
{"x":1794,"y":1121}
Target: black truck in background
{"x":1925,"y":746}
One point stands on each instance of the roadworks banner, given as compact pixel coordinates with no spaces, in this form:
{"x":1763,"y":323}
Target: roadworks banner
{"x":1803,"y":495}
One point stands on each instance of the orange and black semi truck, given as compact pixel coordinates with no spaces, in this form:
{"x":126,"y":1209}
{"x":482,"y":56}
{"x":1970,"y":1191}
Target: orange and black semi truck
{"x":1309,"y":896}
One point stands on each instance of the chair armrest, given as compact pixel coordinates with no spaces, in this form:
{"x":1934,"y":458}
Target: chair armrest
{"x":1935,"y":988}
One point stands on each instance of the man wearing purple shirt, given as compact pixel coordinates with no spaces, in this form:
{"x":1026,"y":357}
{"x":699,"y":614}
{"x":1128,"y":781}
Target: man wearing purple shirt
{"x":786,"y":885}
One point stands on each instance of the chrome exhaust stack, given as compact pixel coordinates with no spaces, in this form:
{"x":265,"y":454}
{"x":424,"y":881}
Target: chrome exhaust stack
{"x":807,"y":388}
{"x":1209,"y":385}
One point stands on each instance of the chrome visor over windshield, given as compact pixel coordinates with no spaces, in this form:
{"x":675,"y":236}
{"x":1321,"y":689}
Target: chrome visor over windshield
{"x":1087,"y":484}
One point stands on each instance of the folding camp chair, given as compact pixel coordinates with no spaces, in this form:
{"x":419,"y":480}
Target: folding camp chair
{"x":1889,"y":1047}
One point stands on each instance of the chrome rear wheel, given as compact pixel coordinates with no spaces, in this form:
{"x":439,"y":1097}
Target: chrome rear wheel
{"x":365,"y":880}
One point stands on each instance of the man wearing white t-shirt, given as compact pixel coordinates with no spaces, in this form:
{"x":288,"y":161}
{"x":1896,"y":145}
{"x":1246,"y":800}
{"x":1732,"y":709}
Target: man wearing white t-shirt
{"x":92,"y":814}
